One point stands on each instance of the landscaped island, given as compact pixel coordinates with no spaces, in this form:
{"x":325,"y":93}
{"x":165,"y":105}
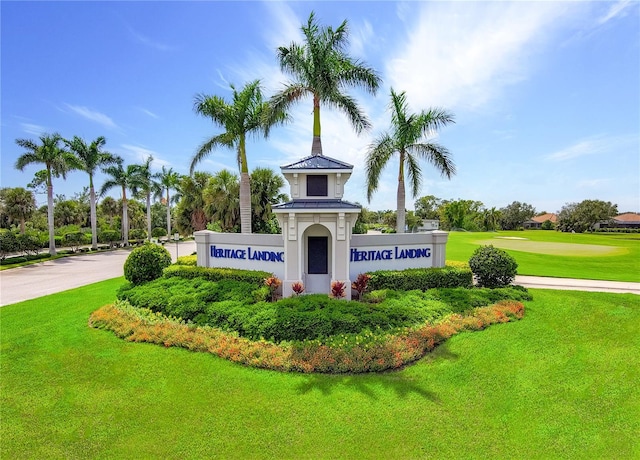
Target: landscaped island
{"x":235,"y":314}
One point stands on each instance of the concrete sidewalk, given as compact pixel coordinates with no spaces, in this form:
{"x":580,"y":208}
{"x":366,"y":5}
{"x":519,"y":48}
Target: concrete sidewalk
{"x":540,"y":282}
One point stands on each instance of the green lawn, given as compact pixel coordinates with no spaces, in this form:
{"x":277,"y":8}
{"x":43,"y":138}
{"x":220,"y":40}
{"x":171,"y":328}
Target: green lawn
{"x":600,"y":256}
{"x":561,"y":383}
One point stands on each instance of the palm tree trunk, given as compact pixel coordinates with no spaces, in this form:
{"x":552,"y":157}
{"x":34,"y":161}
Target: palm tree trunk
{"x":400,"y":218}
{"x":316,"y":145}
{"x":168,"y":214}
{"x":245,"y":202}
{"x":94,"y":220}
{"x":148,"y":216}
{"x":125,"y":218}
{"x":52,"y":238}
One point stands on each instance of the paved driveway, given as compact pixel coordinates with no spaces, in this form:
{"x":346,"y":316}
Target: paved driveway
{"x":32,"y":281}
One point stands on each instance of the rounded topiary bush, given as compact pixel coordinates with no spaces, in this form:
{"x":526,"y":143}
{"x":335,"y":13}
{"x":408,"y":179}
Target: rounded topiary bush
{"x":492,"y":267}
{"x":145,"y":263}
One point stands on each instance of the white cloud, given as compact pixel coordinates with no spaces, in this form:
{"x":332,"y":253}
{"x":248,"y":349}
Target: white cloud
{"x":462,"y":54}
{"x":615,"y":10}
{"x":593,"y":183}
{"x":33,"y":129}
{"x":93,"y":115}
{"x":140,"y":154}
{"x":143,"y":39}
{"x":148,"y":112}
{"x":593,"y":146}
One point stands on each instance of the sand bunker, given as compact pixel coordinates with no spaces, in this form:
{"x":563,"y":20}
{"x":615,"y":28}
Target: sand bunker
{"x":557,"y":249}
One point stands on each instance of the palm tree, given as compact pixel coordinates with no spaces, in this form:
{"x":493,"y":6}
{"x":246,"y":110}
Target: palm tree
{"x":89,"y":158}
{"x":265,"y":191}
{"x":18,"y":204}
{"x":408,"y":139}
{"x":221,"y":200}
{"x":128,"y":178}
{"x":57,"y":162}
{"x":168,"y":179}
{"x":321,"y":68}
{"x":146,"y":185}
{"x":190,"y":215}
{"x":246,"y":114}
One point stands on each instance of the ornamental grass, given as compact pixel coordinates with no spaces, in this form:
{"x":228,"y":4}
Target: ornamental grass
{"x":346,"y":353}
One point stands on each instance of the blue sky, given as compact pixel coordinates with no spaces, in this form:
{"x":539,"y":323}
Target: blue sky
{"x":546,"y":95}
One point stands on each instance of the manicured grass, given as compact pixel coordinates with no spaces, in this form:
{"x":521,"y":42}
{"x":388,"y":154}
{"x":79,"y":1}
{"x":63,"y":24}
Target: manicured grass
{"x":599,"y":256}
{"x":562,"y":382}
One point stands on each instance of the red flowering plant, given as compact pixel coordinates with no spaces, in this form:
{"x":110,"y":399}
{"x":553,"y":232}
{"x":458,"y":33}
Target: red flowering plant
{"x":273,"y":283}
{"x":337,"y":289}
{"x":360,"y":284}
{"x":297,"y":287}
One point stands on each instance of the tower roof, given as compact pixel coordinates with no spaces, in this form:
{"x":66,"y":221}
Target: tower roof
{"x":316,"y":162}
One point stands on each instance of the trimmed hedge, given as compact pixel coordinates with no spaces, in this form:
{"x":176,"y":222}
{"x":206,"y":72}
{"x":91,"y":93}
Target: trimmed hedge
{"x":217,"y":274}
{"x":146,"y":263}
{"x":420,"y":278}
{"x":348,"y":353}
{"x":187,"y":260}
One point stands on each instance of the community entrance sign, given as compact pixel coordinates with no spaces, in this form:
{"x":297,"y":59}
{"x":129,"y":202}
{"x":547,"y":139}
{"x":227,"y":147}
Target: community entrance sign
{"x":317,"y":246}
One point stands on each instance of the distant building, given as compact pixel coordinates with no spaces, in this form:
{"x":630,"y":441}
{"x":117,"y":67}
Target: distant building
{"x":626,"y":220}
{"x":537,"y":221}
{"x":428,"y":225}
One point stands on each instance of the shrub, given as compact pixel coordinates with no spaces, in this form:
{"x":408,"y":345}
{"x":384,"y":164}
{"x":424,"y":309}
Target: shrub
{"x":74,"y":240}
{"x":492,"y":267}
{"x":146,"y":263}
{"x":254,"y":277}
{"x":360,"y":284}
{"x":187,"y":260}
{"x":297,"y":288}
{"x":337,"y":289}
{"x":420,"y":278}
{"x":273,"y":283}
{"x":8,"y":243}
{"x":366,"y":352}
{"x":28,"y":243}
{"x":158,"y":232}
{"x":109,"y":236}
{"x":137,"y":234}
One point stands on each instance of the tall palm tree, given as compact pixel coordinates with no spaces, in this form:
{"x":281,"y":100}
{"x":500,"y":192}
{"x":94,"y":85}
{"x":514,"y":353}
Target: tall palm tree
{"x":89,"y":158}
{"x":146,"y":186}
{"x":321,"y":68}
{"x":126,"y":179}
{"x":247,"y":113}
{"x":168,"y":179}
{"x":57,"y":162}
{"x":409,"y":139}
{"x":221,"y":200}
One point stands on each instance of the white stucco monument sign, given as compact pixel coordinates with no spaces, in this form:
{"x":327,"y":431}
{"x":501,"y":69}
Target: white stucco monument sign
{"x":317,"y":246}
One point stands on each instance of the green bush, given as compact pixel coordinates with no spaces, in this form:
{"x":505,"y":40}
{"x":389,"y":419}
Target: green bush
{"x":145,"y":263}
{"x":8,"y":243}
{"x":187,"y":260}
{"x":28,"y":243}
{"x":109,"y":237}
{"x":420,"y":278}
{"x":492,"y":267}
{"x":137,"y":234}
{"x":158,"y":232}
{"x":74,"y":240}
{"x":216,"y":274}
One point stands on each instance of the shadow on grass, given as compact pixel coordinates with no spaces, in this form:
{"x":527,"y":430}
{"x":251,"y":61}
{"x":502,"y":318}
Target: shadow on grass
{"x":400,"y":383}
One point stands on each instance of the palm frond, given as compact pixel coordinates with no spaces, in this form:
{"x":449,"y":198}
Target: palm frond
{"x":378,"y":155}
